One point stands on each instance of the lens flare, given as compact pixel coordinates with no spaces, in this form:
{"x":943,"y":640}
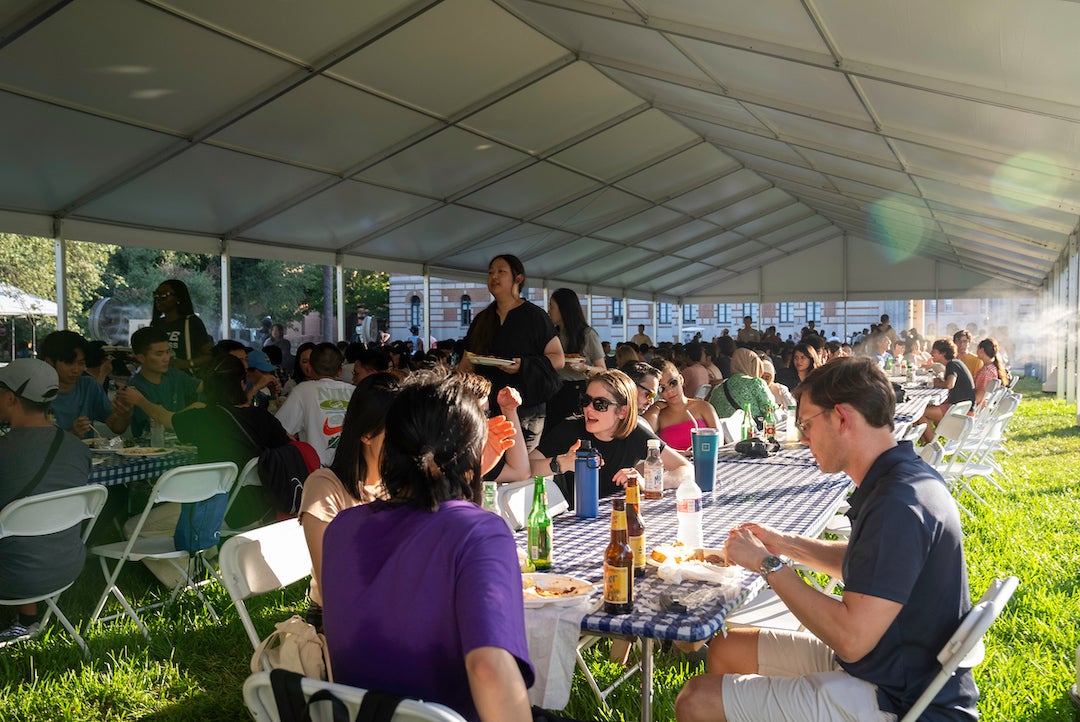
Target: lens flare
{"x":897,"y":225}
{"x":1026,"y":181}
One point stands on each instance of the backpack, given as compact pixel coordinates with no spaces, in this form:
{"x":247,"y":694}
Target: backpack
{"x":283,"y":470}
{"x":296,"y":646}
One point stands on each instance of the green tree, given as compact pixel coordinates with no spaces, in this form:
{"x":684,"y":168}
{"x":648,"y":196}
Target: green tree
{"x":29,"y":263}
{"x":370,"y":289}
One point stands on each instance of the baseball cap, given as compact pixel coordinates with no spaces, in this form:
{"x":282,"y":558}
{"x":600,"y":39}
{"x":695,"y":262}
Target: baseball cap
{"x":259,"y":360}
{"x":31,"y":379}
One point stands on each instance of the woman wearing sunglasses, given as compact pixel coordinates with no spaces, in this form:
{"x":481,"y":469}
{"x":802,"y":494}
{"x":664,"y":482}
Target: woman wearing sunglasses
{"x":609,"y":420}
{"x":673,"y":419}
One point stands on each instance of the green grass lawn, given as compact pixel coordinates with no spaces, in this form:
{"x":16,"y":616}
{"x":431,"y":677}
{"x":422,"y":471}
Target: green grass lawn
{"x":194,"y":669}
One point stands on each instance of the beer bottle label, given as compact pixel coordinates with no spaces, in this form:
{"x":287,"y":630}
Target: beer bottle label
{"x":618,"y":520}
{"x":616,"y":584}
{"x":633,"y":495}
{"x":540,"y":544}
{"x":688,"y":505}
{"x":637,"y":545}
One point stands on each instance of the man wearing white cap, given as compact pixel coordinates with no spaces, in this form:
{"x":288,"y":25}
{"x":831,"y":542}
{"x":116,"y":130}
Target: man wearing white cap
{"x":35,"y":457}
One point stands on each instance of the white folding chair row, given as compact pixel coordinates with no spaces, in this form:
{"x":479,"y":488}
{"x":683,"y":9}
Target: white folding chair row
{"x":261,"y":702}
{"x":185,"y":484}
{"x":514,"y":501}
{"x":49,"y":513}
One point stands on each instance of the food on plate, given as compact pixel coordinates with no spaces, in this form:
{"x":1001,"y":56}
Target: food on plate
{"x":534,"y":591}
{"x":143,"y":451}
{"x":680,"y":553}
{"x":677,"y":552}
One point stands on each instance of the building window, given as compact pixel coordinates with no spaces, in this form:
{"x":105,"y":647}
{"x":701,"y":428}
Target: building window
{"x":814,"y":312}
{"x":616,"y":310}
{"x":947,"y":303}
{"x":723,"y":313}
{"x":663,"y":312}
{"x":785,"y":312}
{"x":689,"y":313}
{"x":466,"y":309}
{"x":415,"y":313}
{"x":751,"y":310}
{"x":931,"y":306}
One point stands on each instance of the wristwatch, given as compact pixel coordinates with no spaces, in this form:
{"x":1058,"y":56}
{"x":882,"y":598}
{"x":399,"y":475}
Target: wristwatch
{"x":769,"y":565}
{"x":555,"y":468}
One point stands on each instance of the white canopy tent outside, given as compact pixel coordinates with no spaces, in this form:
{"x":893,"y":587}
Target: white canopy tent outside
{"x":14,"y":302}
{"x":678,"y":150}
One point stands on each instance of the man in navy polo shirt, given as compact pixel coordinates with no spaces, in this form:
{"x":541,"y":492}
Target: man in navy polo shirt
{"x":869,"y":655}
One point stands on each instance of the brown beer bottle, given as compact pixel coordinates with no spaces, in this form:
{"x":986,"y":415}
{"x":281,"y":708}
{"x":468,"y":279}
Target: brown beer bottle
{"x":618,"y":565}
{"x":635,"y":527}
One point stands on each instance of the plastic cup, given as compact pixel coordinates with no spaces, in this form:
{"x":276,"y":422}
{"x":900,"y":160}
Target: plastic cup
{"x":706,"y":442}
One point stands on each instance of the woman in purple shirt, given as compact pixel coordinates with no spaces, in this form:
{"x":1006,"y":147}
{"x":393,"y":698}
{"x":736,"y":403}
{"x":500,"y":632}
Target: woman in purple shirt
{"x":422,"y":591}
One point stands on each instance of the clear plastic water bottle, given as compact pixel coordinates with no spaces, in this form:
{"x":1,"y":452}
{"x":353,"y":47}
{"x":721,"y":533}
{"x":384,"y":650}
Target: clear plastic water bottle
{"x":157,"y":434}
{"x":688,"y":507}
{"x":793,"y":433}
{"x":654,"y":471}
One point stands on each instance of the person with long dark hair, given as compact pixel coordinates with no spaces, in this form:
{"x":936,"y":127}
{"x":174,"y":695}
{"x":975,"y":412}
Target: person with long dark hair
{"x":804,"y":359}
{"x":352,"y":479}
{"x":436,"y":576}
{"x":584,"y":354}
{"x":174,"y":314}
{"x":523,"y":343}
{"x":301,"y":367}
{"x":993,"y":368}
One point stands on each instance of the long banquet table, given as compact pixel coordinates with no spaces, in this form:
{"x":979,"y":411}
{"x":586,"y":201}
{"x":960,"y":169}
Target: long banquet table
{"x":116,"y":469}
{"x":785,"y":491}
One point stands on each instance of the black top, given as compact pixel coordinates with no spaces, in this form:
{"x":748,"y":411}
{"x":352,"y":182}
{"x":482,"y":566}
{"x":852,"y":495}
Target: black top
{"x":906,"y":546}
{"x":175,"y":331}
{"x":617,"y":453}
{"x":524,"y":334}
{"x":219,"y":438}
{"x":964,"y":388}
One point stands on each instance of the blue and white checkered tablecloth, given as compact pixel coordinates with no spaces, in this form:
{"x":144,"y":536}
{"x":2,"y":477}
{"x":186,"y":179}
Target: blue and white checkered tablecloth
{"x":115,"y":469}
{"x":916,"y":399}
{"x":781,"y":491}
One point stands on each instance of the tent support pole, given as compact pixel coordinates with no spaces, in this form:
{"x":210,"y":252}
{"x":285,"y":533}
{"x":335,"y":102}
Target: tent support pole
{"x":425,"y":332}
{"x":60,"y":246}
{"x":588,"y":305}
{"x":226,"y":290}
{"x":625,"y":317}
{"x":339,"y":271}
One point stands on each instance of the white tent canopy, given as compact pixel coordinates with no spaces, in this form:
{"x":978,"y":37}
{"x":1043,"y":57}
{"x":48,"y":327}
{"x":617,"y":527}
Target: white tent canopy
{"x":16,"y":302}
{"x":695,"y":150}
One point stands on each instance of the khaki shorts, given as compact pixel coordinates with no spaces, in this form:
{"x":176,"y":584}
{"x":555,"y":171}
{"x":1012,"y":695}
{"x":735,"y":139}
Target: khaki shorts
{"x":799,"y":681}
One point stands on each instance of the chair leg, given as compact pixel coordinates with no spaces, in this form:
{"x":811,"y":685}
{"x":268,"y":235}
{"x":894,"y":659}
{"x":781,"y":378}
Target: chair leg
{"x":67,"y":625}
{"x":111,"y":588}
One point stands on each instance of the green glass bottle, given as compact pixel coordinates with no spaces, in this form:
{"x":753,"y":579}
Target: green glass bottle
{"x":749,"y":428}
{"x":539,"y":527}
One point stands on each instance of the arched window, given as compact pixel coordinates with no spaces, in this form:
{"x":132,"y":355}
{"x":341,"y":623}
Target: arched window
{"x":466,"y":309}
{"x":415,"y":314}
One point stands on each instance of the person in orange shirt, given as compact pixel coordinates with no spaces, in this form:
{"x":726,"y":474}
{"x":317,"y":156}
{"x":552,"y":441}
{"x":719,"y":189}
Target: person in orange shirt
{"x":962,"y":339}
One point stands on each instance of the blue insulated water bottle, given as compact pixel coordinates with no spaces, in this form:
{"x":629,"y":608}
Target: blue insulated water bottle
{"x":586,"y":481}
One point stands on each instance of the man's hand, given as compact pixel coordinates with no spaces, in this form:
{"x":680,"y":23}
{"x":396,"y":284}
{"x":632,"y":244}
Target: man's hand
{"x":771,"y":538}
{"x":81,"y":426}
{"x":500,"y":437}
{"x":622,"y":476}
{"x":129,"y":396}
{"x":744,"y":549}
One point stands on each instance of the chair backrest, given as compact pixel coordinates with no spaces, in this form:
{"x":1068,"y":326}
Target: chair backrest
{"x":260,"y":561}
{"x":954,"y":427}
{"x":53,"y":511}
{"x":732,"y":426}
{"x":515,"y":501}
{"x":964,"y":648}
{"x":992,"y":385}
{"x":932,"y":453}
{"x":703,"y":391}
{"x":259,"y":698}
{"x":249,"y":476}
{"x":187,"y":484}
{"x":960,"y":408}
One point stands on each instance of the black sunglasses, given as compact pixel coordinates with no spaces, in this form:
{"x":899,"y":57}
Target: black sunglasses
{"x":599,"y":403}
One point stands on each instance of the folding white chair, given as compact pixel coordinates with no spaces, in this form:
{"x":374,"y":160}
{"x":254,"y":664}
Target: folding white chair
{"x":184,"y":484}
{"x":913,"y":433}
{"x":964,"y":649}
{"x":260,"y":561}
{"x":49,"y":513}
{"x":260,"y":701}
{"x":249,"y":476}
{"x":732,"y":426}
{"x":703,"y":392}
{"x":514,"y":501}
